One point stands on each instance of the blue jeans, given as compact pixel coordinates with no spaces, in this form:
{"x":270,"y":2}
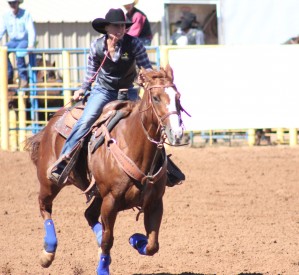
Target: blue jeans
{"x":22,"y":68}
{"x":98,"y":98}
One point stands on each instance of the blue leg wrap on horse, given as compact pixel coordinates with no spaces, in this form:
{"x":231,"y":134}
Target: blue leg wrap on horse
{"x":97,"y":229}
{"x":50,"y":238}
{"x":103,"y":266}
{"x":139,"y":242}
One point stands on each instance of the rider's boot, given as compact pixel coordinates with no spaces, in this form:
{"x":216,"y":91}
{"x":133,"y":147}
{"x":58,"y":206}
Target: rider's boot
{"x":175,"y":176}
{"x":58,"y":169}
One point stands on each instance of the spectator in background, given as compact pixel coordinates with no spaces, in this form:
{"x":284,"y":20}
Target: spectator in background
{"x":19,"y":26}
{"x":177,"y":34}
{"x":141,"y":27}
{"x":189,"y":31}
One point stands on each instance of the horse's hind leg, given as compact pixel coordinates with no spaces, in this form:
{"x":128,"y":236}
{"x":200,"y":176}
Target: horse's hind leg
{"x":47,"y":194}
{"x":92,"y":214}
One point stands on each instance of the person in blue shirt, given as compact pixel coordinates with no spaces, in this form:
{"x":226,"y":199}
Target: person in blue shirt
{"x":111,"y":65}
{"x":19,"y":26}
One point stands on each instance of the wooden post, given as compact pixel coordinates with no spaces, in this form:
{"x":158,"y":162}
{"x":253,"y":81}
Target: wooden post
{"x":251,"y":137}
{"x":293,"y":136}
{"x":210,"y":137}
{"x":191,"y":135}
{"x":164,"y":55}
{"x":13,"y":137}
{"x":22,"y":119}
{"x":279,"y":134}
{"x":66,"y":77}
{"x":4,"y":99}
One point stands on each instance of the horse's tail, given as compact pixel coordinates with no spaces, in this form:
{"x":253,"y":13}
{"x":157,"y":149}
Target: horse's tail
{"x":32,"y":145}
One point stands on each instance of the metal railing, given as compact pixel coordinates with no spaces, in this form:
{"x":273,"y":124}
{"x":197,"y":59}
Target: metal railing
{"x":25,"y":111}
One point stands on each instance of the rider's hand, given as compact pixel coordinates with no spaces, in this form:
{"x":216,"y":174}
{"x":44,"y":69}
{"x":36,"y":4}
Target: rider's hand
{"x":78,"y":95}
{"x":141,"y":79}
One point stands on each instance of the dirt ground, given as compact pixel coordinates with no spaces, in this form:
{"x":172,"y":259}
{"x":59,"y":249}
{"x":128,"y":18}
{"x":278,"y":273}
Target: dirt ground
{"x":236,"y":213}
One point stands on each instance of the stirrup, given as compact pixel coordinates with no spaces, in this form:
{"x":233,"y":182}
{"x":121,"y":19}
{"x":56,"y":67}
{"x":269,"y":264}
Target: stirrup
{"x":59,"y":175}
{"x":61,"y":178}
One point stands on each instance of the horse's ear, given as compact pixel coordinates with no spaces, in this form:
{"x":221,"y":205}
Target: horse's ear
{"x":141,"y":77}
{"x":169,"y":72}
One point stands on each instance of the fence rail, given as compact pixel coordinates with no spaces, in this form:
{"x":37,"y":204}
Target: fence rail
{"x":53,"y":76}
{"x":224,"y":88}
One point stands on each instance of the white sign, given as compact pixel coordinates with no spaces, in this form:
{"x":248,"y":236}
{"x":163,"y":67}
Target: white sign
{"x":238,"y":87}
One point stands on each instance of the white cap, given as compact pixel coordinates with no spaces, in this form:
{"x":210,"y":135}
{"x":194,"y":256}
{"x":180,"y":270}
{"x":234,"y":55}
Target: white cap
{"x":128,"y":2}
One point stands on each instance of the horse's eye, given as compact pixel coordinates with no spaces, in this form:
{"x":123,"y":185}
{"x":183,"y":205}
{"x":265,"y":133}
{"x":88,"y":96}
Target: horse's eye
{"x":156,"y":99}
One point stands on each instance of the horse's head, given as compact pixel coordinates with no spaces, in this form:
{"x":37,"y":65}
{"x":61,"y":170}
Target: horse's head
{"x":47,"y":74}
{"x":164,"y":99}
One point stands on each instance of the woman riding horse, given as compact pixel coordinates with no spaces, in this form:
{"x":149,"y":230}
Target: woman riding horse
{"x":130,"y":171}
{"x":112,"y":61}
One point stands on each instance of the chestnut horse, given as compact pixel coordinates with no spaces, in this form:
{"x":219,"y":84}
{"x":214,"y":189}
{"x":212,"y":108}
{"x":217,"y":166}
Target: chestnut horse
{"x":137,"y":142}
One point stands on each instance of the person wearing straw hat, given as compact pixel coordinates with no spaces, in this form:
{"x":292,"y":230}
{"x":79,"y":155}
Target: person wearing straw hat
{"x":141,"y":27}
{"x":20,"y":28}
{"x":111,"y":65}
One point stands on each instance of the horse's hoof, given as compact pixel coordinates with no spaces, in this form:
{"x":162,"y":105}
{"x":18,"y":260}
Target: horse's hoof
{"x":46,"y":259}
{"x":103,"y":266}
{"x":139,"y":242}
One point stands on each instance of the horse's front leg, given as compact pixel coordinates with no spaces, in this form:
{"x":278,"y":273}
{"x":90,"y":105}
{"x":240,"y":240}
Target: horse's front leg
{"x":47,"y":194}
{"x":149,"y":245}
{"x":108,"y":216}
{"x":152,"y":222}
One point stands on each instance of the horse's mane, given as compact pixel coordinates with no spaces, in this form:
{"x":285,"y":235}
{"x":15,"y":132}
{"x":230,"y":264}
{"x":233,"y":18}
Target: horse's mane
{"x":32,"y":145}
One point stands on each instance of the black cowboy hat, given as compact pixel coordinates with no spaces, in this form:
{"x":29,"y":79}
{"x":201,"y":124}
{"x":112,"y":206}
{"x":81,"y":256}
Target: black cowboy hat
{"x":186,"y":24}
{"x":113,"y":16}
{"x":189,"y":16}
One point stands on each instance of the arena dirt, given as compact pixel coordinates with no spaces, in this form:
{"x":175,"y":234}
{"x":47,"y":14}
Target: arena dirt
{"x":236,"y":213}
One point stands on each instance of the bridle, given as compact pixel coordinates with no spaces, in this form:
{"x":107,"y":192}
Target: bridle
{"x":159,"y":118}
